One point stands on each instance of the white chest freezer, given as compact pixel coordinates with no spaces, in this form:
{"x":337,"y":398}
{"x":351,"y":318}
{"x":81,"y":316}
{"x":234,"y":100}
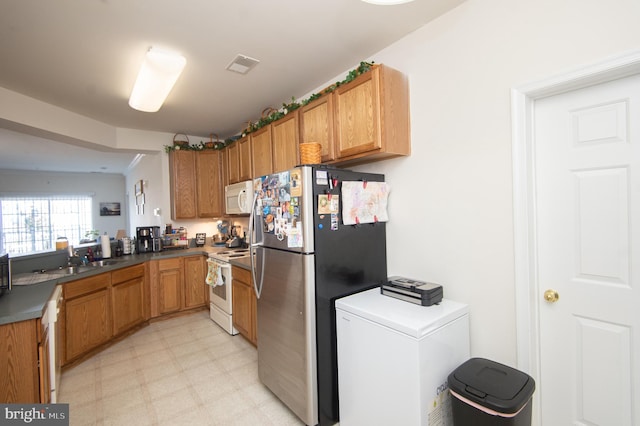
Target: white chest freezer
{"x":394,"y":358}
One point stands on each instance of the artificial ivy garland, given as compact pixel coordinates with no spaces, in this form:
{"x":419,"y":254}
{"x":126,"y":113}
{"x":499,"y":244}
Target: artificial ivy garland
{"x":275,"y":114}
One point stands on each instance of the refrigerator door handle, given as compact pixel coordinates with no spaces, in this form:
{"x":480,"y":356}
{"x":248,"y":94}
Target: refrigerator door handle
{"x":253,"y":247}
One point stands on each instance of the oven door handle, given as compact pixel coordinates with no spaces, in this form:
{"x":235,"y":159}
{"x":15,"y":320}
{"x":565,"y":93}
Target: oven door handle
{"x":220,"y":264}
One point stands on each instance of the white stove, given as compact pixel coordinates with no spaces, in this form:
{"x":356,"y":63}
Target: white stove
{"x":220,"y":289}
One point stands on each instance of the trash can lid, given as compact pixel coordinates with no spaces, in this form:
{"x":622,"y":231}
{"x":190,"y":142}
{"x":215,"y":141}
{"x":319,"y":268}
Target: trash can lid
{"x":492,"y":385}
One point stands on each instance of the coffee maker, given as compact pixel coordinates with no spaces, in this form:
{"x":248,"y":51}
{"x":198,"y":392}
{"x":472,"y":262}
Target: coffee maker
{"x":148,"y":239}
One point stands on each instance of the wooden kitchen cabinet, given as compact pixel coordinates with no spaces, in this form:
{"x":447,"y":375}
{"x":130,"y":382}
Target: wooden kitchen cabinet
{"x":177,"y":284}
{"x":88,"y":318}
{"x":245,"y":164}
{"x":239,"y":165}
{"x":286,"y":152}
{"x":196,"y":184}
{"x":316,"y":125}
{"x":196,"y":291}
{"x":19,"y":381}
{"x":209,"y":179}
{"x":182,"y":178}
{"x":166,"y":286}
{"x":371,"y":117}
{"x":261,"y":151}
{"x":244,"y":304}
{"x":128,"y":298}
{"x":233,"y":163}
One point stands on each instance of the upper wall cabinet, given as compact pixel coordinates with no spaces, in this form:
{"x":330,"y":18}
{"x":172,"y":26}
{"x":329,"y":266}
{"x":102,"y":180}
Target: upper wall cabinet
{"x":286,"y":154}
{"x":182,"y":166}
{"x":233,"y":163}
{"x":316,"y":125}
{"x":239,"y":164}
{"x":196,"y":184}
{"x":261,"y":151}
{"x":364,"y":120}
{"x":371,"y":117}
{"x":209,"y":181}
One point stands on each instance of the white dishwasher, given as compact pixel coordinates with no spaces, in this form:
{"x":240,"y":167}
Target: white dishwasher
{"x":54,"y":305}
{"x":394,"y":358}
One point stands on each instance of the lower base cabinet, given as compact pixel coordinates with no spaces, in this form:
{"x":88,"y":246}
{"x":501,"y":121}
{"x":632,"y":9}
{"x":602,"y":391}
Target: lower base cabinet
{"x":19,"y":348}
{"x":177,"y":284}
{"x":196,"y":292}
{"x":244,"y":304}
{"x":88,"y":318}
{"x":127,"y":295}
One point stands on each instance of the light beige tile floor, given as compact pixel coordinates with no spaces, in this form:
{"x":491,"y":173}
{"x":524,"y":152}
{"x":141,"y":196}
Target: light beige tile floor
{"x":182,"y":371}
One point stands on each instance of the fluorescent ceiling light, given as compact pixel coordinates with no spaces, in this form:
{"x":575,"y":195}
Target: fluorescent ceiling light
{"x":159,"y":72}
{"x":386,"y":2}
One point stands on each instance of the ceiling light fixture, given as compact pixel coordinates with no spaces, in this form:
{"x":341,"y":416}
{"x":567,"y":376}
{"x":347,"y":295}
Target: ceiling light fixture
{"x":159,"y":72}
{"x":386,"y":2}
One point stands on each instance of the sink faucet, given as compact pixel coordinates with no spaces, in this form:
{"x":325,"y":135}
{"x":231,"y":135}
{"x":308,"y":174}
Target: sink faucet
{"x":73,"y":259}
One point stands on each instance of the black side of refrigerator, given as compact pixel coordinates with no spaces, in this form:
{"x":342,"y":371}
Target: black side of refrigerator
{"x":349,"y":259}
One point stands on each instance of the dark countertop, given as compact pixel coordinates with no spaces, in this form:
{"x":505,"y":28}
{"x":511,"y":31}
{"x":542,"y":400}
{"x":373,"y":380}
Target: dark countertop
{"x":25,"y":302}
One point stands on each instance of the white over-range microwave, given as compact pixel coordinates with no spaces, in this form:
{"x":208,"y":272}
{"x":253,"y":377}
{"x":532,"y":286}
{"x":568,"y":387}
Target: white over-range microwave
{"x":238,"y":197}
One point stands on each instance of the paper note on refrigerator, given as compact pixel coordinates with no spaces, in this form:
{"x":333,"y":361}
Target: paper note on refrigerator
{"x":364,"y":202}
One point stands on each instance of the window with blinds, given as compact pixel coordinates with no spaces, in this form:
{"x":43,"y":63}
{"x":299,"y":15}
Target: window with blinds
{"x":32,"y":224}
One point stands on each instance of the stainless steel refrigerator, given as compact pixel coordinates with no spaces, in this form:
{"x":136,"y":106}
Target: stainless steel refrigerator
{"x":317,"y":234}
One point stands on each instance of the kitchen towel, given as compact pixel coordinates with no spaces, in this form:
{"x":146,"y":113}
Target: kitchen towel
{"x":214,"y":274}
{"x":106,"y":246}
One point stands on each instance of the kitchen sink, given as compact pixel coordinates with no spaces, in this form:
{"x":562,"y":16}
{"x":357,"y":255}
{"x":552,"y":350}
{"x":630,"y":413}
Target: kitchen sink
{"x":104,"y":262}
{"x":40,"y":275}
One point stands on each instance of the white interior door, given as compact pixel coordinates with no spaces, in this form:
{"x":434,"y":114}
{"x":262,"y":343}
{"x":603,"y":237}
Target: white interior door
{"x":587,"y":180}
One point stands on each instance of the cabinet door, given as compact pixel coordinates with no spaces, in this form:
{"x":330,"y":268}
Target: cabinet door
{"x":262,"y":149}
{"x":286,"y":153}
{"x":245,"y":167}
{"x":19,"y":363}
{"x":88,"y":322}
{"x":182,"y":177}
{"x":195,"y":287}
{"x":209,"y":183}
{"x":242,"y":309}
{"x":244,"y":304}
{"x":357,"y":115}
{"x":128,"y":304}
{"x":316,"y":125}
{"x":233,"y":162}
{"x":170,"y":291}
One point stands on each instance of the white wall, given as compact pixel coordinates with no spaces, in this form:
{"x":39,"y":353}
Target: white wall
{"x":451,"y":218}
{"x":104,"y":187}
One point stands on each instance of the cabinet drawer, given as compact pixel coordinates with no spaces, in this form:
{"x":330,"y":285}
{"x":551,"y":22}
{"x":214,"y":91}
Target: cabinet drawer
{"x":167,"y":264}
{"x":126,"y":274}
{"x":86,"y":285}
{"x":242,"y":274}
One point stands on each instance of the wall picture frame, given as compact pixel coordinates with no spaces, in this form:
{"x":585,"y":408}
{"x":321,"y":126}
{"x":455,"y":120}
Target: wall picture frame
{"x":110,"y":209}
{"x":139,"y":188}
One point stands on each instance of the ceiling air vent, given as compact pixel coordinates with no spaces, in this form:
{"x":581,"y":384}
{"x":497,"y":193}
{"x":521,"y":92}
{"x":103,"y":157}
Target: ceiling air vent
{"x":242,"y":64}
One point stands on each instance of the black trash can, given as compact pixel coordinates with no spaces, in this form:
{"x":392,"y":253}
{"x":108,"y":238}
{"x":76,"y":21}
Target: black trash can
{"x":487,"y":393}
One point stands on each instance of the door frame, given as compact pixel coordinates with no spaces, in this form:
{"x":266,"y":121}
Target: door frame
{"x":527,"y":289}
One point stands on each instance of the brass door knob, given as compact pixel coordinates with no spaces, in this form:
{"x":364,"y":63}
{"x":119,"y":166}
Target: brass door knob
{"x":551,"y":296}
